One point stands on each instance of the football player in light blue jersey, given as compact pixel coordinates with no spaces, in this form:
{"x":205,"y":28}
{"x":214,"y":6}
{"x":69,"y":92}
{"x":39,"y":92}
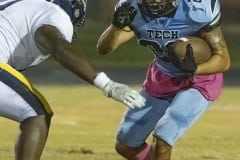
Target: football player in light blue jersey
{"x":178,"y":91}
{"x":30,"y":32}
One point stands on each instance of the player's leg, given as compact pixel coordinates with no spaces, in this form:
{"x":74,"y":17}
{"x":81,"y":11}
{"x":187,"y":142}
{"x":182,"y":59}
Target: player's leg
{"x":32,"y":138}
{"x":185,"y":109}
{"x":133,"y":153}
{"x":20,"y":102}
{"x":136,"y":126}
{"x":160,"y":150}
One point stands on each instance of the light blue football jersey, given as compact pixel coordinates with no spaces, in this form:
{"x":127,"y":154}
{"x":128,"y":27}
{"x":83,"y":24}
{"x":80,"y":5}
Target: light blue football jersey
{"x":155,"y":33}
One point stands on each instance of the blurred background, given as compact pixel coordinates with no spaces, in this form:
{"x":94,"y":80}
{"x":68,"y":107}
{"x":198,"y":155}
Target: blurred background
{"x":131,"y":56}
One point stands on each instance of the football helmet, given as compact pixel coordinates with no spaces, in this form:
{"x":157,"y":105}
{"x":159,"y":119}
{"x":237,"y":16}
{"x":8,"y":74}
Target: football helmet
{"x":76,"y":9}
{"x":158,"y":8}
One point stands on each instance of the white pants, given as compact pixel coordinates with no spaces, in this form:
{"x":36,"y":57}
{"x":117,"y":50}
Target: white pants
{"x":18,"y":99}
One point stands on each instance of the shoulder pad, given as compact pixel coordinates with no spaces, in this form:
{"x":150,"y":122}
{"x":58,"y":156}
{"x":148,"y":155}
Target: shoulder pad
{"x":215,"y":23}
{"x":203,"y":11}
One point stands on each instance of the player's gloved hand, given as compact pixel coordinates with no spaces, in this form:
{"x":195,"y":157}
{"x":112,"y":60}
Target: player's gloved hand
{"x":124,"y":15}
{"x":187,"y":64}
{"x":119,"y":92}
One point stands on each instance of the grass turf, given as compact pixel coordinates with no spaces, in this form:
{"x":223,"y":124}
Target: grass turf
{"x":85,"y":122}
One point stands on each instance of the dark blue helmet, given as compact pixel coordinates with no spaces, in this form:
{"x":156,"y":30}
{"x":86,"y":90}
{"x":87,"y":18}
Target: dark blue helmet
{"x":157,"y":8}
{"x":76,"y":9}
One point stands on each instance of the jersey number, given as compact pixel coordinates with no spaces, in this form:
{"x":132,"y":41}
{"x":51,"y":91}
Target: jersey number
{"x":156,"y":49}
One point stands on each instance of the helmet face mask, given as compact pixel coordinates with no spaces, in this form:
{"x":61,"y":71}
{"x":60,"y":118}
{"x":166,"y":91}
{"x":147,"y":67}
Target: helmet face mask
{"x":158,"y":8}
{"x":78,"y":12}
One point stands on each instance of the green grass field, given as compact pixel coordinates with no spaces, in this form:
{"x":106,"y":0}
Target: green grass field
{"x":84,"y":124}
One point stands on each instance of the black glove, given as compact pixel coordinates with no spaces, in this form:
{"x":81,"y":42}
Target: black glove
{"x":124,"y":15}
{"x":187,"y":64}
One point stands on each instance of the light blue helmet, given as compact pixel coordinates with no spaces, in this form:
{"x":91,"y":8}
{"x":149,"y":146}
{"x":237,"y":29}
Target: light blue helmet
{"x":157,"y":8}
{"x":76,"y":9}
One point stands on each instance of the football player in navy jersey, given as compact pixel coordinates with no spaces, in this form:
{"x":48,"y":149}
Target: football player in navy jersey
{"x":177,"y":91}
{"x":30,"y":32}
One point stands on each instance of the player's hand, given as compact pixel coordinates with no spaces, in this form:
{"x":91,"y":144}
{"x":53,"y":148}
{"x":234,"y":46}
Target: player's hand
{"x":124,"y":94}
{"x":187,"y":64}
{"x":124,"y":15}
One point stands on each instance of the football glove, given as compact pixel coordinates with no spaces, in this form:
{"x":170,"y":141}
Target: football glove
{"x":187,"y":64}
{"x":119,"y":92}
{"x":124,"y":15}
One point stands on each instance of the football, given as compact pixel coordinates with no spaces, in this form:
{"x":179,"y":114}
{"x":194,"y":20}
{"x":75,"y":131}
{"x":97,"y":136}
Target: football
{"x":201,"y":50}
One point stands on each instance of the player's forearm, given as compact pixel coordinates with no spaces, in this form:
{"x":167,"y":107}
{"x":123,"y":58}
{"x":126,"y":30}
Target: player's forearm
{"x":220,"y":61}
{"x":71,"y":58}
{"x":217,"y":64}
{"x":108,"y":41}
{"x":112,"y":38}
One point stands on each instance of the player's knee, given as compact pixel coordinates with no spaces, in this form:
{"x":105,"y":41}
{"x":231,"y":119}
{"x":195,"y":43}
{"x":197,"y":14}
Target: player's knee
{"x":178,"y":116}
{"x":121,"y":149}
{"x":48,"y":118}
{"x":41,"y":121}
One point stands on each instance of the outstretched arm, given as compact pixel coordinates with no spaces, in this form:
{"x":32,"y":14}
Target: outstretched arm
{"x":51,"y":41}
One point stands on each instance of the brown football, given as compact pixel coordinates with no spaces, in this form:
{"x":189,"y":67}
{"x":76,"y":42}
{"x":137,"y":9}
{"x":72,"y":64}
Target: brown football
{"x":201,"y":50}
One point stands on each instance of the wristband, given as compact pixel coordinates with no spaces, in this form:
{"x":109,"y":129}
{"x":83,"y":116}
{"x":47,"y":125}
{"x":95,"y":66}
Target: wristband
{"x":101,"y":80}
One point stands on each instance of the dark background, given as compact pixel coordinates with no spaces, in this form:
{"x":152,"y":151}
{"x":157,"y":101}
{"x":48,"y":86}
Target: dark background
{"x":101,"y":10}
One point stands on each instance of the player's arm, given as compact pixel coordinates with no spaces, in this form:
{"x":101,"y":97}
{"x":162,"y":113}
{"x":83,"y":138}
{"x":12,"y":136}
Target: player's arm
{"x":220,"y":60}
{"x":51,"y":41}
{"x":112,"y":38}
{"x":119,"y":31}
